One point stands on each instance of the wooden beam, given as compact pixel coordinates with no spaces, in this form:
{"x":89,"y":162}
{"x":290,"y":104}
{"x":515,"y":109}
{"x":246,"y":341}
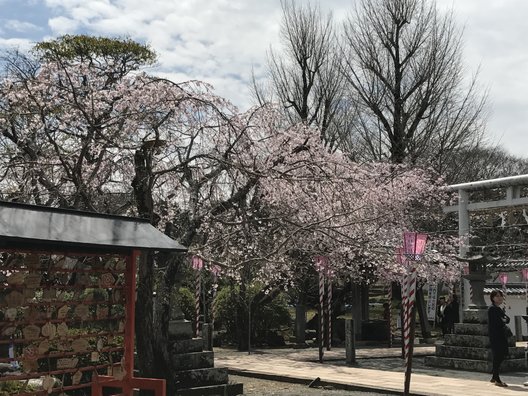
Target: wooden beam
{"x":476,"y":206}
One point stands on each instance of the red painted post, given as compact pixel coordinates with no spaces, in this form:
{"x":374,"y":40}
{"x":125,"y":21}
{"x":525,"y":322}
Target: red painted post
{"x":130,"y":295}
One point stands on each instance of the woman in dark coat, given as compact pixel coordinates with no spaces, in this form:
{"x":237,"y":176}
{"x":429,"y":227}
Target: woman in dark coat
{"x":497,"y":320}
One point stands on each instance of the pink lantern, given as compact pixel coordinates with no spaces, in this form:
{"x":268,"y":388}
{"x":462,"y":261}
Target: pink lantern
{"x":503,"y":277}
{"x":414,"y":245}
{"x":524,"y":273}
{"x":321,"y":263}
{"x":465,"y":269}
{"x":197,"y":263}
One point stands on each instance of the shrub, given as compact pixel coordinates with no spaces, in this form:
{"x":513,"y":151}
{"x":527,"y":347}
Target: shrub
{"x":267,"y":319}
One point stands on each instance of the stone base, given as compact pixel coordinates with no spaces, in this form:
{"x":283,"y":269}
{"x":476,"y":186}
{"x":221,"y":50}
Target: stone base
{"x":474,"y":365}
{"x":193,"y":360}
{"x":474,"y":353}
{"x":195,"y":372}
{"x":199,"y":378}
{"x":186,"y":346}
{"x":180,"y":330}
{"x":468,"y":349}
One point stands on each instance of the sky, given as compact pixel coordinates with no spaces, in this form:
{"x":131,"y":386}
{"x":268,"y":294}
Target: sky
{"x":223,"y":41}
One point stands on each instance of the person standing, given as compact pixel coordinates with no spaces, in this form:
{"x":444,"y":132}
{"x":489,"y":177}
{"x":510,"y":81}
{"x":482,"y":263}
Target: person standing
{"x":440,"y":313}
{"x":497,"y":330}
{"x":451,"y":315}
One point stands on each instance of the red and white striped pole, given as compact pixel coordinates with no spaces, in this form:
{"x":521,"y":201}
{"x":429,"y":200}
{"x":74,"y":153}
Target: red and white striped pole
{"x":197,"y":264}
{"x":215,"y":270}
{"x":408,"y":313}
{"x":413,"y":248}
{"x":321,"y":315}
{"x":321,"y":265}
{"x":329,"y":334}
{"x":400,"y":259}
{"x":389,"y":313}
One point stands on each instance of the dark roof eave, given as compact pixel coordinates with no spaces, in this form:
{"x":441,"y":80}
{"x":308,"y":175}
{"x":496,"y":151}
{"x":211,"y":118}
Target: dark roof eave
{"x":25,"y":226}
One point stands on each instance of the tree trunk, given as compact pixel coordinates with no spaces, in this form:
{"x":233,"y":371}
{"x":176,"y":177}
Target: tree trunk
{"x":357,"y":311}
{"x":242,"y":320}
{"x":422,"y":313}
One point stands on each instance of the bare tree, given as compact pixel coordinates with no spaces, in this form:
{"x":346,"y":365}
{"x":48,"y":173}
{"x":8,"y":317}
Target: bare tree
{"x":305,"y":77}
{"x":481,"y":163}
{"x":402,"y":60}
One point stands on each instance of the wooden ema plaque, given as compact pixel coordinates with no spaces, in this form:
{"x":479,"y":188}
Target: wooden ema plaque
{"x":63,"y":320}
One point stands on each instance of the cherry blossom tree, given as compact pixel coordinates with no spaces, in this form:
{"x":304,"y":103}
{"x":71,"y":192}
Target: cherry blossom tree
{"x":82,"y":126}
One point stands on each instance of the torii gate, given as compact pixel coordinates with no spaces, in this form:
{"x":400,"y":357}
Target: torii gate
{"x":511,"y":184}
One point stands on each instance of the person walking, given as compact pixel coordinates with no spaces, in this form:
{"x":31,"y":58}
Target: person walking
{"x":498,"y":334}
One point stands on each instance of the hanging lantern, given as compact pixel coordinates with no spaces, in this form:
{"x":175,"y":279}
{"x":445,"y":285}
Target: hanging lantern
{"x":414,"y":245}
{"x":465,"y":268}
{"x":321,"y":263}
{"x":215,"y":270}
{"x":197,"y":263}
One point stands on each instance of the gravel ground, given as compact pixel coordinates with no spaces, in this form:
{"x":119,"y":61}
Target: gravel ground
{"x":260,"y":387}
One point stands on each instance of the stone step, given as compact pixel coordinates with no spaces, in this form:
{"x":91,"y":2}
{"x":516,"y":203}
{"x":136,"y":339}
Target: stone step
{"x":474,"y":365}
{"x":186,"y":346}
{"x":471,"y":328}
{"x":475,"y":316}
{"x":193,"y":360}
{"x":473,"y":353}
{"x":472,"y":341}
{"x":224,"y":390}
{"x":203,"y":377}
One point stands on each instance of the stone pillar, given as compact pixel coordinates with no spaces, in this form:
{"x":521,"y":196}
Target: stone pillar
{"x":463,"y":222}
{"x":518,"y":328}
{"x":477,"y":280}
{"x":179,"y":327}
{"x":207,"y":336}
{"x":300,"y":325}
{"x":350,"y":341}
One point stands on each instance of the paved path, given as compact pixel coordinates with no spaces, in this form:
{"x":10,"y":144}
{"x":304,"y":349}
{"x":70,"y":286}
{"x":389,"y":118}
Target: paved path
{"x":385,"y":372}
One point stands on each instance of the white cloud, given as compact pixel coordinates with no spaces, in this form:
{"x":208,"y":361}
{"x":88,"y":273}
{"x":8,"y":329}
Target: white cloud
{"x":63,"y":25}
{"x":18,"y":43}
{"x":217,"y":41}
{"x":20,"y":26}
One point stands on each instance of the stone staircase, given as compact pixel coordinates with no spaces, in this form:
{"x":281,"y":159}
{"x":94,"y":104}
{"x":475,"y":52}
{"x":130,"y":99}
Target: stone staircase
{"x":468,"y":349}
{"x":197,"y":374}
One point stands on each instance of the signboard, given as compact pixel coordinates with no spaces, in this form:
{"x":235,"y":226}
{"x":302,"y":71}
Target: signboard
{"x":432,"y":291}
